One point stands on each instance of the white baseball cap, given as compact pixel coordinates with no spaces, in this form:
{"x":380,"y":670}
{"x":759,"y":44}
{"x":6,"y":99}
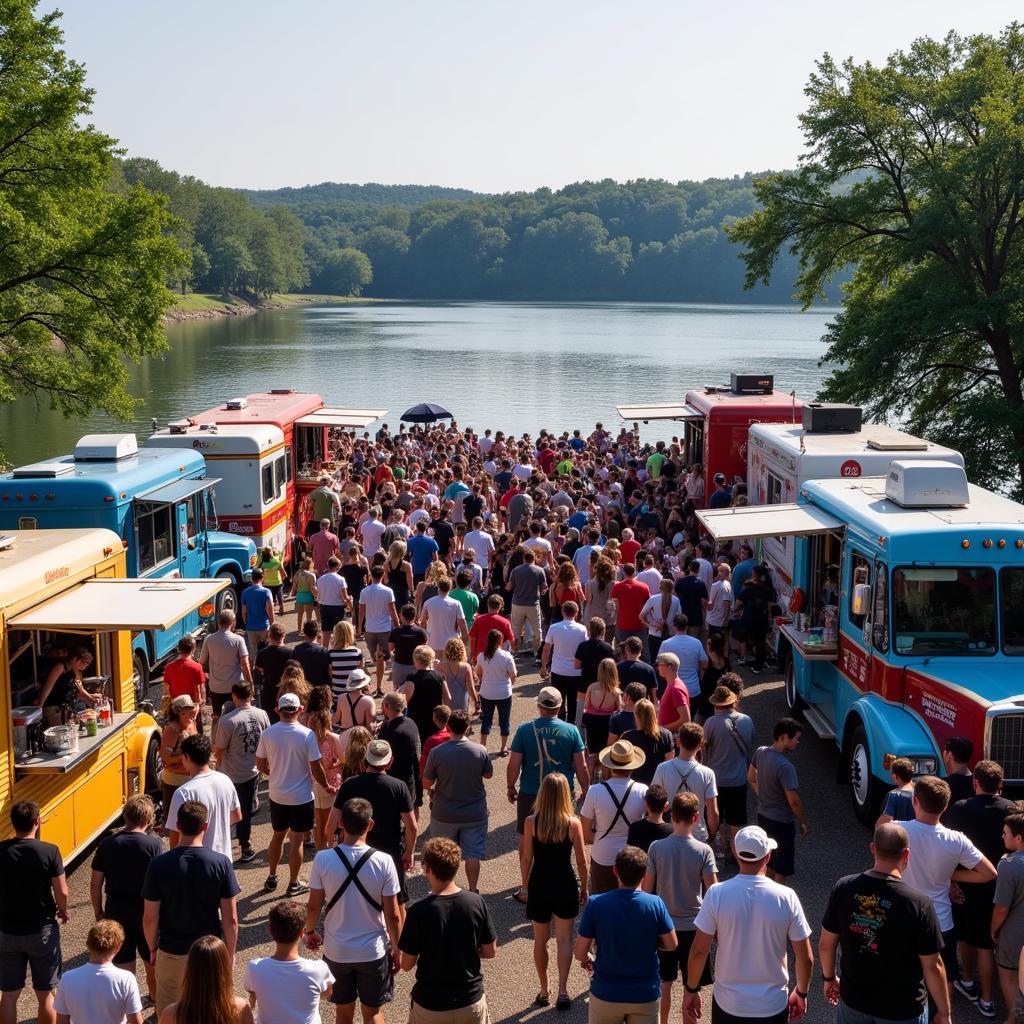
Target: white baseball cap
{"x":753,"y":843}
{"x":289,"y":702}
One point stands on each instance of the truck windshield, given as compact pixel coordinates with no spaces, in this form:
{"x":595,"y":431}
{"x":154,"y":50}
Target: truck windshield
{"x":939,"y":610}
{"x":1011,"y":587}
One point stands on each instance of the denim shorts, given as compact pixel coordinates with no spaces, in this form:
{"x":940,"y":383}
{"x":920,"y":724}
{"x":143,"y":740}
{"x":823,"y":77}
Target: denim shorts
{"x":470,"y":835}
{"x":39,"y":952}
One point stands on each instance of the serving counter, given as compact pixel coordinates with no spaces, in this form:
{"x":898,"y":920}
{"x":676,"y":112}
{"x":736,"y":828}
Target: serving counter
{"x":43,"y":763}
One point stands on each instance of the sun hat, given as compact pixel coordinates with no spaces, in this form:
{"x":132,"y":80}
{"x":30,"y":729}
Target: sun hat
{"x":357,"y":680}
{"x":723,"y":697}
{"x":622,"y":756}
{"x":753,"y":843}
{"x":378,"y":753}
{"x":549,"y":698}
{"x":288,"y":702}
{"x":182,"y":703}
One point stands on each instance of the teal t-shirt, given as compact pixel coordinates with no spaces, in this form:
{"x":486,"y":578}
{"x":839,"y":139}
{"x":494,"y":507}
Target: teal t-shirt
{"x":470,"y":604}
{"x":555,"y":741}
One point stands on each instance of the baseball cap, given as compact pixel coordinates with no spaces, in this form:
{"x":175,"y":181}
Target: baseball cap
{"x":549,"y":698}
{"x":181,"y":702}
{"x":378,"y":753}
{"x":288,"y":702}
{"x":753,"y":843}
{"x":719,"y":478}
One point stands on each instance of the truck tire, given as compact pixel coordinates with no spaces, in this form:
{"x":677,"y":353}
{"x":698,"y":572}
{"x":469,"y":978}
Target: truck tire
{"x":865,"y":788}
{"x":153,"y":789}
{"x":227,"y":599}
{"x":140,"y":676}
{"x":796,"y":704}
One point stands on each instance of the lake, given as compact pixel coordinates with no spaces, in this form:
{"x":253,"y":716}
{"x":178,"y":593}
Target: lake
{"x":509,"y":366}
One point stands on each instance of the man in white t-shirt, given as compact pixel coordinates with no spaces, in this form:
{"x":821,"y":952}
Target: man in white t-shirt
{"x":481,"y":544}
{"x":753,"y":918}
{"x":371,"y":531}
{"x":559,"y":658}
{"x":288,"y":753}
{"x":333,"y":598}
{"x":98,"y":992}
{"x":540,"y":547}
{"x":706,"y":571}
{"x":720,"y":601}
{"x":377,"y":617}
{"x":443,"y":618}
{"x":357,"y":888}
{"x":214,"y":790}
{"x":693,"y":658}
{"x":685,"y":774}
{"x":582,"y":557}
{"x":650,"y":575}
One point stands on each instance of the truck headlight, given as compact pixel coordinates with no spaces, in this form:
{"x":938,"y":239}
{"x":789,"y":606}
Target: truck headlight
{"x":252,"y":561}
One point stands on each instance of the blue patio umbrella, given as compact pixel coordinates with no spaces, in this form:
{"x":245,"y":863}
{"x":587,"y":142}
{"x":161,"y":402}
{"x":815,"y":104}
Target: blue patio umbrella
{"x":425,"y":412}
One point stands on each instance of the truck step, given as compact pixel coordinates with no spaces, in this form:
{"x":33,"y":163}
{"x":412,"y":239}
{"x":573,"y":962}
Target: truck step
{"x":817,"y":720}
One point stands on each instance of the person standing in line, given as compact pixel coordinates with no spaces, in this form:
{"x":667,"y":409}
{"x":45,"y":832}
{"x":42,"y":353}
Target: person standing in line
{"x":956,"y":755}
{"x":496,"y":675}
{"x":345,"y":658}
{"x":657,"y":614}
{"x":97,"y":992}
{"x":633,"y":669}
{"x":312,"y":656}
{"x":119,"y":867}
{"x":890,"y":941}
{"x":558,"y":658}
{"x":270,"y":665}
{"x":484,"y":623}
{"x":213,"y":790}
{"x":608,"y":810}
{"x":674,"y":705}
{"x":332,"y":597}
{"x":402,"y":642}
{"x":753,"y":918}
{"x":630,"y":596}
{"x":773,"y":780}
{"x":443,"y":618}
{"x":353,"y":706}
{"x":377,"y":617}
{"x":552,"y":836}
{"x":589,"y":655}
{"x":207,"y":988}
{"x":422,"y":549}
{"x":693,"y":598}
{"x":356,"y":887}
{"x":33,"y":897}
{"x":325,"y":506}
{"x":728,"y":746}
{"x":719,"y":609}
{"x":289,"y":755}
{"x":400,"y":733}
{"x":273,"y":571}
{"x":1008,"y":912}
{"x":677,"y":867}
{"x":444,"y":938}
{"x":257,"y":613}
{"x":454,"y":778}
{"x":693,"y":658}
{"x":652,"y":826}
{"x":481,"y":544}
{"x":225,"y":658}
{"x":371,"y":530}
{"x":624,"y":721}
{"x":684,"y":773}
{"x":630,"y":928}
{"x":237,"y":739}
{"x":189,"y":892}
{"x":185,"y":675}
{"x":527,"y":582}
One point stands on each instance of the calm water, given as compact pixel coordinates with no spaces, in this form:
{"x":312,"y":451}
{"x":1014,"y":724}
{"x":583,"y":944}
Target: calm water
{"x":507,"y":366}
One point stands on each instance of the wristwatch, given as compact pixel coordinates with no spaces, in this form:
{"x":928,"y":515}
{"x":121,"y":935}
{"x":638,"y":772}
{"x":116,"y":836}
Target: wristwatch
{"x":802,"y":995}
{"x":692,"y":991}
{"x":823,"y":978}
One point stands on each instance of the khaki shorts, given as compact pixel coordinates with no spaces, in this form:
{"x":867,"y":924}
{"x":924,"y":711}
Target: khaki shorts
{"x":377,"y":645}
{"x":170,"y":969}
{"x":474,"y":1014}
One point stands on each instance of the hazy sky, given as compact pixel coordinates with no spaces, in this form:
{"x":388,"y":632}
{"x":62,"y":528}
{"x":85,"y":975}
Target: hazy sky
{"x":476,"y":93}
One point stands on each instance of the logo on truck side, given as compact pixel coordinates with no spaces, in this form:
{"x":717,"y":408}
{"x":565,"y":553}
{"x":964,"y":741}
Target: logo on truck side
{"x":851,"y":467}
{"x":236,"y":527}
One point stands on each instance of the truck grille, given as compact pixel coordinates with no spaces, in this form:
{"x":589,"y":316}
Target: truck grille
{"x":1006,"y":744}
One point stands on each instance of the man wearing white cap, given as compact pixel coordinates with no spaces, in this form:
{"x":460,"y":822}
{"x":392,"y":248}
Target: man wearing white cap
{"x":753,"y":918}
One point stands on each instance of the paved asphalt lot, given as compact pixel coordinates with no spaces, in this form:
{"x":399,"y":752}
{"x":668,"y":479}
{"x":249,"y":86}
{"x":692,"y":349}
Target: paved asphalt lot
{"x":837,"y":845}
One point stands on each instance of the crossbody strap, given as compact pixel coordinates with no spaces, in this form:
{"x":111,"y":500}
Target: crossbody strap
{"x":620,"y":808}
{"x":352,"y":879}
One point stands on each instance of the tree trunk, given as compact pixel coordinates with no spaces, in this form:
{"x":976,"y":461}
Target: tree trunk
{"x":1009,"y":380}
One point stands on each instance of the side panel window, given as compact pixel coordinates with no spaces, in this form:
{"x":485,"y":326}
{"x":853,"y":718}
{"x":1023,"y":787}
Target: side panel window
{"x":154,"y":528}
{"x":774,"y":489}
{"x":280,"y":474}
{"x":879,"y":610}
{"x":267,"y":483}
{"x":1011,"y":587}
{"x":860,"y":576}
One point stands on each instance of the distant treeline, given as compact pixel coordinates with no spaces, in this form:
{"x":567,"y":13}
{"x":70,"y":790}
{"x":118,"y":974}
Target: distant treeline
{"x":642,"y":240}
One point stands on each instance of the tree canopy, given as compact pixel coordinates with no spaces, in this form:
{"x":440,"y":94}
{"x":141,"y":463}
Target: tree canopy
{"x":82,"y":269}
{"x":914,"y":177}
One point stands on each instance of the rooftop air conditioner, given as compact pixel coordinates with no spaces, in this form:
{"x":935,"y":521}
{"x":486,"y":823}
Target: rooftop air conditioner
{"x":236,"y":403}
{"x":831,"y":418}
{"x":915,"y":483}
{"x":752,"y":383}
{"x":106,"y":447}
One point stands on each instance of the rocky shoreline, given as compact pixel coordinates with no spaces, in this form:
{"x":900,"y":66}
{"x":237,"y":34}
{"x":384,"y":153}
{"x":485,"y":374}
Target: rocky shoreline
{"x":240,"y":307}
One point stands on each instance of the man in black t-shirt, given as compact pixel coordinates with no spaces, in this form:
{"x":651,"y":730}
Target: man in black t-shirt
{"x":889,"y":937}
{"x":444,"y":938}
{"x":589,"y":654}
{"x":443,"y":532}
{"x":33,"y":894}
{"x":403,"y":737}
{"x":270,"y":663}
{"x":633,"y":670}
{"x":394,"y":821}
{"x":403,"y":640}
{"x":312,"y":656}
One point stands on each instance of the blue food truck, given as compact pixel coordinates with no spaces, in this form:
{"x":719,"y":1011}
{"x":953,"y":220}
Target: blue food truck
{"x":906,"y":625}
{"x":159,"y":502}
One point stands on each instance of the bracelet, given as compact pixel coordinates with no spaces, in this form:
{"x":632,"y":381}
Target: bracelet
{"x":833,"y":978}
{"x":692,"y":991}
{"x":802,"y":995}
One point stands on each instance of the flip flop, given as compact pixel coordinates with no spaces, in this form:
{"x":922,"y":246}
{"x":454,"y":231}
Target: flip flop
{"x":542,"y":999}
{"x":563,"y":1002}
{"x":518,"y":896}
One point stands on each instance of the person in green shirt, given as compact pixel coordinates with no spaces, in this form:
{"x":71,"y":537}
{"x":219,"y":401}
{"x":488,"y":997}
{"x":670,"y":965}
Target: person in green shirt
{"x":273,"y":568}
{"x":469,"y":601}
{"x":656,"y":460}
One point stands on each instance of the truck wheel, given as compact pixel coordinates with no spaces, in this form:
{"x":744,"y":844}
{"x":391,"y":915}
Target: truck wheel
{"x":153,"y":768}
{"x":794,"y":701}
{"x":227,"y":599}
{"x":866,"y":789}
{"x":140,"y":676}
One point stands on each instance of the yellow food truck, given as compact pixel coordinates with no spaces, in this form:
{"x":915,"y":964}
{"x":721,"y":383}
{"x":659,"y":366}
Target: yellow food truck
{"x":63,"y":592}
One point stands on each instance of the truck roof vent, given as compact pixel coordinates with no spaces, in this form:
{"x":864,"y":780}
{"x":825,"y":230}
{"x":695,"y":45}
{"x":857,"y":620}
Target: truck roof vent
{"x":43,"y":470}
{"x":282,"y":391}
{"x":915,"y":483}
{"x":752,"y":383}
{"x":236,"y":403}
{"x":106,"y":447}
{"x":831,"y":418}
{"x":178,"y":427}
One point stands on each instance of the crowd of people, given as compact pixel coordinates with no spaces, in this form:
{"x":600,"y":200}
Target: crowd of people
{"x":438,"y":566}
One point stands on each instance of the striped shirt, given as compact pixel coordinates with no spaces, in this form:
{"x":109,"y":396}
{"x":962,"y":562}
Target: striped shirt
{"x":343,"y":663}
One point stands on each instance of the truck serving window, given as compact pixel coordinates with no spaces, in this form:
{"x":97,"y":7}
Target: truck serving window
{"x":1011,"y":587}
{"x":154,"y":526}
{"x":939,"y":610}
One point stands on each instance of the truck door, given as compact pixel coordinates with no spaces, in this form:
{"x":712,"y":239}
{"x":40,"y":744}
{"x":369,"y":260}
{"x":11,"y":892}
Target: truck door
{"x":192,"y":553}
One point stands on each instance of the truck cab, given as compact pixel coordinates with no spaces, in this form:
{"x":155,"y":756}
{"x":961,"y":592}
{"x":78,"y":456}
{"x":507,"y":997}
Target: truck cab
{"x":158,"y":502}
{"x":918,"y":636}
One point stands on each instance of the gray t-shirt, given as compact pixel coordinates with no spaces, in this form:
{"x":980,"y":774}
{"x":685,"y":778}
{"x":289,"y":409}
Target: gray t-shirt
{"x":528,"y":580}
{"x":775,"y":774}
{"x":1010,"y":894}
{"x":728,"y":747}
{"x":457,"y":769}
{"x":222,"y":656}
{"x":678,"y":864}
{"x":519,"y":508}
{"x":682,"y":776}
{"x":238,"y":733}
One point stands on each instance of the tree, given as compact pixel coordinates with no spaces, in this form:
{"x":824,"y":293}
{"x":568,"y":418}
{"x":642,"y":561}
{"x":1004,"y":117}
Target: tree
{"x":914,"y":176}
{"x":82,"y":268}
{"x":347,"y":271}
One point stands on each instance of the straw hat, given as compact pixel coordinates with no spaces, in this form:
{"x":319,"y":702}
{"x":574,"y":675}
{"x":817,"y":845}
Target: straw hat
{"x":723,"y":697}
{"x":357,"y":680}
{"x":622,"y":756}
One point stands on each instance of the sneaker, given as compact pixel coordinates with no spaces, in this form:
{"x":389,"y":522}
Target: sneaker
{"x":968,"y":989}
{"x":756,"y":671}
{"x":248,"y":854}
{"x":271,"y":883}
{"x":294,"y":888}
{"x":255,"y":804}
{"x":986,"y":1009}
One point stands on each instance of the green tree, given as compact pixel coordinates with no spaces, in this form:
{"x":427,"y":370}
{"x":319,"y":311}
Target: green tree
{"x":914,"y":176}
{"x":347,"y":272}
{"x":82,"y":268}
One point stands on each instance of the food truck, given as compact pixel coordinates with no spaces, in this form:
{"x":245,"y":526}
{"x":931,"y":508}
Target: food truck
{"x":264,"y":493}
{"x":716,"y":421}
{"x":921,"y":637}
{"x":61,"y":590}
{"x":160,"y":505}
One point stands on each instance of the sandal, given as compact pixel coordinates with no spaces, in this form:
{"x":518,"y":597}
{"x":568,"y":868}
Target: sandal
{"x":564,"y":1001}
{"x":543,"y":999}
{"x":518,"y":896}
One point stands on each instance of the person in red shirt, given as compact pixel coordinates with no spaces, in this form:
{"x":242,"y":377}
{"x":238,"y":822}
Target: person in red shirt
{"x":441,"y":715}
{"x":629,"y":595}
{"x":322,"y":546}
{"x":185,"y":675}
{"x":483,"y":624}
{"x":629,"y":548}
{"x":546,"y":457}
{"x":674,"y":707}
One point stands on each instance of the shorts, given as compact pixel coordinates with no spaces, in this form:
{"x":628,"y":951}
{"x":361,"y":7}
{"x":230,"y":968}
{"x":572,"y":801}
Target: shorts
{"x":975,"y":924}
{"x":330,"y":616}
{"x":218,"y":700}
{"x":399,"y":673}
{"x":291,"y":817}
{"x":597,"y":731}
{"x":134,"y":942}
{"x":470,"y":835}
{"x":949,"y":957}
{"x":732,"y":805}
{"x":524,"y":808}
{"x":39,"y":952}
{"x":372,"y":982}
{"x":475,"y":1013}
{"x":719,"y":1016}
{"x":602,"y":878}
{"x":377,"y":645}
{"x":672,"y":962}
{"x":544,"y":901}
{"x":323,"y":799}
{"x":783,"y":860}
{"x":304,"y":597}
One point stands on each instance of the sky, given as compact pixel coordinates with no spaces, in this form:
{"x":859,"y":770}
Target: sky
{"x":476,"y":94}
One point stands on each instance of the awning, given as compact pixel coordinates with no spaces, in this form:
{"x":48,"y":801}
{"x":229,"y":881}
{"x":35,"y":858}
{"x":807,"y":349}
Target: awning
{"x":177,"y":490}
{"x":102,"y":605}
{"x":767,"y":521}
{"x":341,"y":418}
{"x":679,"y":411}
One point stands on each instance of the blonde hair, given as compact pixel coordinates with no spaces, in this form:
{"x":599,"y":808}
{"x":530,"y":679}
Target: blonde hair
{"x":293,"y":680}
{"x":423,"y":655}
{"x":455,"y":649}
{"x":646,"y":718}
{"x":608,"y":676}
{"x":343,"y":635}
{"x":552,"y":810}
{"x":355,"y":753}
{"x":435,"y":571}
{"x":397,"y":549}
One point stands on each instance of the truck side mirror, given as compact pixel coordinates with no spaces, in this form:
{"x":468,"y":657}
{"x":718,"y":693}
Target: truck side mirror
{"x":861,"y":599}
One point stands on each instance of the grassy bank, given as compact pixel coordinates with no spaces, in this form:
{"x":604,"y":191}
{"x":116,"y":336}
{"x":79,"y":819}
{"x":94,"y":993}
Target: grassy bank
{"x":200,"y":305}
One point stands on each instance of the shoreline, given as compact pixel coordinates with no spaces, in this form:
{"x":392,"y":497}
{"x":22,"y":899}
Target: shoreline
{"x":214,"y":308}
